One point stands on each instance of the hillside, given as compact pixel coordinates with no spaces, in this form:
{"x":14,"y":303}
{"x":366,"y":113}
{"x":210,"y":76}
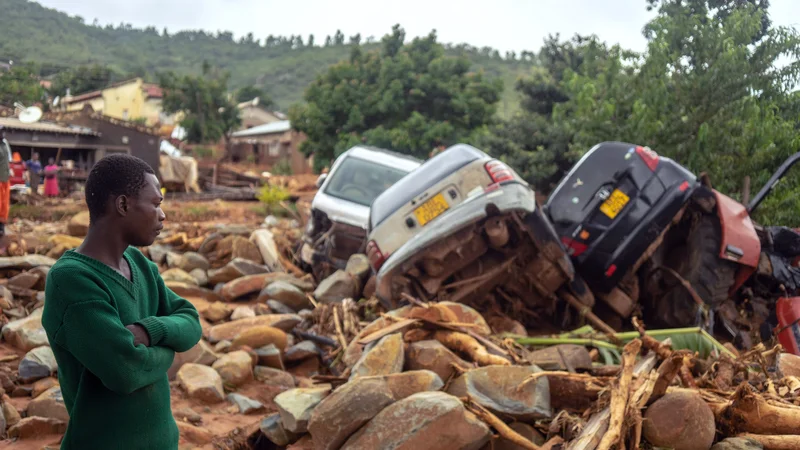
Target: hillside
{"x":32,"y":33}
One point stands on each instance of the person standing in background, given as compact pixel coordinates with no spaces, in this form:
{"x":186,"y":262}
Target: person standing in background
{"x":5,"y":186}
{"x":34,"y":172}
{"x":17,"y":170}
{"x":51,"y":179}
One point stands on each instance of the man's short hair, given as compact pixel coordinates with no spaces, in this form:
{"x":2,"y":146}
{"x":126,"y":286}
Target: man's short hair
{"x":112,"y":176}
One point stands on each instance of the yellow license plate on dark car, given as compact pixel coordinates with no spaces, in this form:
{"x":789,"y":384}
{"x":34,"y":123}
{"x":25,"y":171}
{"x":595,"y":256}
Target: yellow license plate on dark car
{"x":614,"y":203}
{"x":431,"y":209}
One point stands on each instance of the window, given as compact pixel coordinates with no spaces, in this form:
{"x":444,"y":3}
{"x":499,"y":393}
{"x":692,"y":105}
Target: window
{"x":274,"y":148}
{"x":360,"y":181}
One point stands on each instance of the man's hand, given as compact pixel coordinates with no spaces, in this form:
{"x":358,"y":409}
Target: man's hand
{"x":140,"y":335}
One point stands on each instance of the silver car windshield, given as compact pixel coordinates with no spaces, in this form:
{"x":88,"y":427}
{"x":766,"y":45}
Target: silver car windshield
{"x":360,"y":181}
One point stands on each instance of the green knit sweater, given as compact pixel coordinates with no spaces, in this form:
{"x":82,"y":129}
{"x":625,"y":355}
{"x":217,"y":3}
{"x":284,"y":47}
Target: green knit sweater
{"x":117,"y":394}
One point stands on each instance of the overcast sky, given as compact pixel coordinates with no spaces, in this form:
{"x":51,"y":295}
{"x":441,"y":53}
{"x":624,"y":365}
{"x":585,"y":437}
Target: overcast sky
{"x":502,"y":24}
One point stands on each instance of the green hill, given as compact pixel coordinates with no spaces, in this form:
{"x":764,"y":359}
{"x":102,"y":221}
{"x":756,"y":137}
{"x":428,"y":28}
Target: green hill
{"x":30,"y":32}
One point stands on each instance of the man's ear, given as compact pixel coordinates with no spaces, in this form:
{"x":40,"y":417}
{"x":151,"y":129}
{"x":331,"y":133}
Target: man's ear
{"x":121,"y":204}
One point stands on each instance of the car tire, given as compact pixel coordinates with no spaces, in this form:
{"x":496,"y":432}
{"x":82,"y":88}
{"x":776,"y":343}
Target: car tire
{"x":699,"y":263}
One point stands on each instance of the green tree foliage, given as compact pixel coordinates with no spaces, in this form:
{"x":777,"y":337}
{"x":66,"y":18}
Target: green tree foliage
{"x":248,"y":93}
{"x":410,"y":97}
{"x":209,"y":113}
{"x":57,"y":42}
{"x":20,"y":84}
{"x":709,"y":92}
{"x":83,"y":79}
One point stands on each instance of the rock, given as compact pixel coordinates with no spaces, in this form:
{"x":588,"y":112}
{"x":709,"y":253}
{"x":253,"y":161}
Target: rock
{"x":245,"y":405}
{"x":228,"y":331}
{"x":79,"y":224}
{"x":679,"y":419}
{"x":243,"y":286}
{"x":36,"y":427}
{"x":42,"y":385}
{"x":26,"y":262}
{"x":526,"y":431}
{"x":496,"y":388}
{"x":279,"y":308}
{"x":195,"y":435}
{"x":222,"y":347}
{"x":425,"y":420}
{"x":178,"y":275}
{"x":42,"y":272}
{"x":467,"y":314}
{"x":307,"y":368}
{"x":243,"y":248}
{"x":26,"y":334}
{"x":217,"y":311}
{"x":274,"y":377}
{"x":344,"y":411}
{"x":406,"y":384}
{"x":242,"y":312}
{"x":788,"y":365}
{"x":504,"y":324}
{"x":6,"y":298}
{"x":235,"y":368}
{"x":158,"y":253}
{"x":201,"y":383}
{"x":191,"y":290}
{"x":237,"y":268}
{"x":233,"y":229}
{"x":192,"y":261}
{"x":49,"y":404}
{"x":24,"y":280}
{"x":259,"y":336}
{"x":270,"y":356}
{"x":561,"y":357}
{"x":296,"y":405}
{"x":37,"y":364}
{"x":383,"y":358}
{"x":265,"y":241}
{"x":738,"y":444}
{"x":64,"y":240}
{"x":358,"y":266}
{"x":176,"y":261}
{"x":201,"y":354}
{"x":273,"y":429}
{"x":301,"y":351}
{"x":285,"y":293}
{"x":21,"y":391}
{"x":337,"y":287}
{"x":200,"y":276}
{"x":188,"y":414}
{"x":432,"y":355}
{"x":10,"y":414}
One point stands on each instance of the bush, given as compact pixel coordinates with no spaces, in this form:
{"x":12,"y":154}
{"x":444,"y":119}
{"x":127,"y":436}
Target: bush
{"x":272,"y":196}
{"x":282,"y":167}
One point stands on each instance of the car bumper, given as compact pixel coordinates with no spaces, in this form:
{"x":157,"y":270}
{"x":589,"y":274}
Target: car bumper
{"x":512,"y":197}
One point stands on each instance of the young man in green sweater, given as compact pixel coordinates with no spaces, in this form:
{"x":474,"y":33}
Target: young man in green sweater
{"x":112,"y":323}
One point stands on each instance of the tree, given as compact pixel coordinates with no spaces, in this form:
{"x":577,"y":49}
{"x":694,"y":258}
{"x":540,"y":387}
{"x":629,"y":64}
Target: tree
{"x":310,"y":40}
{"x":20,"y":84}
{"x":411,"y":98}
{"x":83,"y":79}
{"x":210,"y":114}
{"x":248,"y":93}
{"x":356,"y":39}
{"x":338,"y":38}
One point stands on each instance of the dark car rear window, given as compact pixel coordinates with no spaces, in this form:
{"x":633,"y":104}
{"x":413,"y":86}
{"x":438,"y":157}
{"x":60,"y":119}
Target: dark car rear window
{"x":423,"y":177}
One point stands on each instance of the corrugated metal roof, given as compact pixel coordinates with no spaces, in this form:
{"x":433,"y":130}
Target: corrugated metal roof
{"x":45,"y":127}
{"x":267,"y":128}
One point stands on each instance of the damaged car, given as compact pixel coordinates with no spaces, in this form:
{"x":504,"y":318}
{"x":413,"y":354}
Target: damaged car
{"x":464,"y":227}
{"x":337,"y":227}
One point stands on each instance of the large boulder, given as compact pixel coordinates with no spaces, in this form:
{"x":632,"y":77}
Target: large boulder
{"x":37,"y":427}
{"x":25,"y":262}
{"x":406,"y":384}
{"x":178,"y":275}
{"x":285,"y":293}
{"x":497,"y":388}
{"x":265,"y":242}
{"x":201,"y":354}
{"x":274,"y":377}
{"x":201,"y":383}
{"x":346,"y":410}
{"x":26,"y":334}
{"x":259,"y":336}
{"x":79,"y":224}
{"x":37,"y":364}
{"x":237,"y":268}
{"x":384,"y":357}
{"x":246,"y":405}
{"x":561,"y":357}
{"x":425,"y":420}
{"x":337,"y":287}
{"x":228,"y":331}
{"x":273,"y":429}
{"x":432,"y":355}
{"x":296,"y":405}
{"x":680,"y":419}
{"x":235,"y":368}
{"x":49,"y":404}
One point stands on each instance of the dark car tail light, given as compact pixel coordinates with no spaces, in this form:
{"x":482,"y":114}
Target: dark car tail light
{"x":574,"y":248}
{"x":498,"y":171}
{"x":649,"y":156}
{"x":376,"y":258}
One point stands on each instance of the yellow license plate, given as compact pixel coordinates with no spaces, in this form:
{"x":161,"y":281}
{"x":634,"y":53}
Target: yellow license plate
{"x":614,"y":203}
{"x":431,"y":209}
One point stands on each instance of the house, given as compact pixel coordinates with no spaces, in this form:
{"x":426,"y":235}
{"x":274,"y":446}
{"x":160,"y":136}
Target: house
{"x":271,"y":143}
{"x":253,"y":115}
{"x":132,"y":100}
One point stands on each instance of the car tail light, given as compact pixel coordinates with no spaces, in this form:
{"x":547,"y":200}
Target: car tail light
{"x":376,"y":258}
{"x":650,"y":157}
{"x":498,"y":171}
{"x":574,"y":248}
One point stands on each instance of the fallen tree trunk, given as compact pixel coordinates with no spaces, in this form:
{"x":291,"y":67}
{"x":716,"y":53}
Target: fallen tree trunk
{"x":785,"y":442}
{"x":751,"y":413}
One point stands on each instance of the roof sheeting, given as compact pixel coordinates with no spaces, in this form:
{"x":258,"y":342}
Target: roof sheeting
{"x":268,"y":128}
{"x":45,"y":127}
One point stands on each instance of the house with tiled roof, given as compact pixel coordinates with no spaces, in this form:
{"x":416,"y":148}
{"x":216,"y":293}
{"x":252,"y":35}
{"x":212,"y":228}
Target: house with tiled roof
{"x":132,"y":100}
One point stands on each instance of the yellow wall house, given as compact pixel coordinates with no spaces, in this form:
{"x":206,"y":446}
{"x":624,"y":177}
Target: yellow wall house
{"x":128,"y":100}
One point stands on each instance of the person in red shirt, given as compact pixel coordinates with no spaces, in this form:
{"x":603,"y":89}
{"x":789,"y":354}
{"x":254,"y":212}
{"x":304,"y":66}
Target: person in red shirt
{"x":17,"y":170}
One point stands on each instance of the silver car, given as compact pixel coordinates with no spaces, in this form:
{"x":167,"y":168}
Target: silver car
{"x":340,"y":210}
{"x":458,"y":227}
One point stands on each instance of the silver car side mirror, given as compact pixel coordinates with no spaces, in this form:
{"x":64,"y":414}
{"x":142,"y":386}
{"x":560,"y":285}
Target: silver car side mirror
{"x":321,"y":179}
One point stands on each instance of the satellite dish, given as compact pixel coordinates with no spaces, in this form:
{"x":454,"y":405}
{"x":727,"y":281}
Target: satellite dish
{"x":30,"y":114}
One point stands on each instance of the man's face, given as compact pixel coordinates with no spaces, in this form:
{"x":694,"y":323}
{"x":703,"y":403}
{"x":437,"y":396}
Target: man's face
{"x":145,"y":218}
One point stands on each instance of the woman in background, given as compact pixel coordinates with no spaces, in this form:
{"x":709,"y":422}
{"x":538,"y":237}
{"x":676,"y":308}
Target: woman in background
{"x":51,"y":179}
{"x":17,"y":170}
